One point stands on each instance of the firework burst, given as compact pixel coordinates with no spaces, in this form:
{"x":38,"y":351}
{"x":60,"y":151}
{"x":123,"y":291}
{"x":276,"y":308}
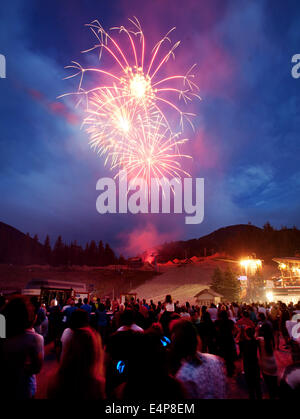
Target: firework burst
{"x":127,"y":114}
{"x":152,"y":151}
{"x":111,"y":122}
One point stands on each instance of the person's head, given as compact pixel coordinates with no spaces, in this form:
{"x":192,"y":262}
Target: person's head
{"x":127,"y":317}
{"x":212,"y":305}
{"x":83,"y":353}
{"x":246,"y":314}
{"x":35,"y":302}
{"x":136,"y":307}
{"x":78,"y":319}
{"x":156,"y":329}
{"x":80,"y":301}
{"x":185,"y":339}
{"x":206,"y":317}
{"x":80,"y":365}
{"x":168,"y":299}
{"x":149,"y":358}
{"x":261,"y":317}
{"x":85,"y":300}
{"x":183,"y":309}
{"x":19,"y":314}
{"x":165,"y":320}
{"x":223,"y":315}
{"x":53,"y":302}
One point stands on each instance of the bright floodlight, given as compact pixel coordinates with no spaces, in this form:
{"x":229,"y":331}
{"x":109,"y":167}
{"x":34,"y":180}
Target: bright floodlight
{"x":251,"y":266}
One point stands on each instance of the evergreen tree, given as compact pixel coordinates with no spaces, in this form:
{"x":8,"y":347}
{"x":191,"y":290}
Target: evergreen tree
{"x":217,"y":283}
{"x":268,"y":228}
{"x":79,"y":258}
{"x":86,"y":254}
{"x":109,"y":256}
{"x":231,"y":286}
{"x":66,"y":255}
{"x":226,"y":283}
{"x":58,"y":252}
{"x":48,"y":250}
{"x":100,"y":253}
{"x":93,"y":254}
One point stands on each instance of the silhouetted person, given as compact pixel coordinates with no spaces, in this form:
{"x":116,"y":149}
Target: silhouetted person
{"x":203,"y":375}
{"x":251,"y":364}
{"x":22,"y":351}
{"x":148,"y":377}
{"x":225,"y":341}
{"x":80,"y":372}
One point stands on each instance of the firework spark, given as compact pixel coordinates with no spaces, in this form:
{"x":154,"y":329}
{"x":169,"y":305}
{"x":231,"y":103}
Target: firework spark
{"x":127,"y":114}
{"x":152,"y":151}
{"x":139,"y":82}
{"x":112,"y":120}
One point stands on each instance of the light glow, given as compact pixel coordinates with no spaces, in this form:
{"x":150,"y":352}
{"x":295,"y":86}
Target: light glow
{"x":251,"y":266}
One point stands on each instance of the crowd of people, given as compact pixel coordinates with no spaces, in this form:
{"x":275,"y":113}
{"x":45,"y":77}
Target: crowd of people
{"x":144,"y":350}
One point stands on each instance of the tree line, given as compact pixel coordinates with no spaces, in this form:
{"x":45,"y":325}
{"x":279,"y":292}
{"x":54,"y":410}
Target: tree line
{"x":92,"y":254}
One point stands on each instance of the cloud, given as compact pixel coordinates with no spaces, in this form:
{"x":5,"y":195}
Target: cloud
{"x":56,"y":108}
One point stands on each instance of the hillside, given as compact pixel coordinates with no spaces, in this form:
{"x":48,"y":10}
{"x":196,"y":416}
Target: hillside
{"x":103,"y":281}
{"x":19,"y":249}
{"x":184,"y":281}
{"x":236,"y":241}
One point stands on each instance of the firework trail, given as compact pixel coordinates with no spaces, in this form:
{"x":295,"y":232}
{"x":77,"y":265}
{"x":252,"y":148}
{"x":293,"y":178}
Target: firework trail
{"x":127,"y":114}
{"x":152,"y":151}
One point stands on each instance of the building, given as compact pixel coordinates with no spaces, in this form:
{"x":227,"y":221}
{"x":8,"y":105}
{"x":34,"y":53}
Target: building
{"x":48,"y":289}
{"x":207,"y":296}
{"x":285,"y":286}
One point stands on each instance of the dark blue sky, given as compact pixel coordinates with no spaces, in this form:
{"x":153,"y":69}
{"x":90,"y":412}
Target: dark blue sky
{"x":246,"y":142}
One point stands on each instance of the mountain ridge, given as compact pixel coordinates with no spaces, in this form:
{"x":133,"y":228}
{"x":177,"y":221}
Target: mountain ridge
{"x":235,"y":240}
